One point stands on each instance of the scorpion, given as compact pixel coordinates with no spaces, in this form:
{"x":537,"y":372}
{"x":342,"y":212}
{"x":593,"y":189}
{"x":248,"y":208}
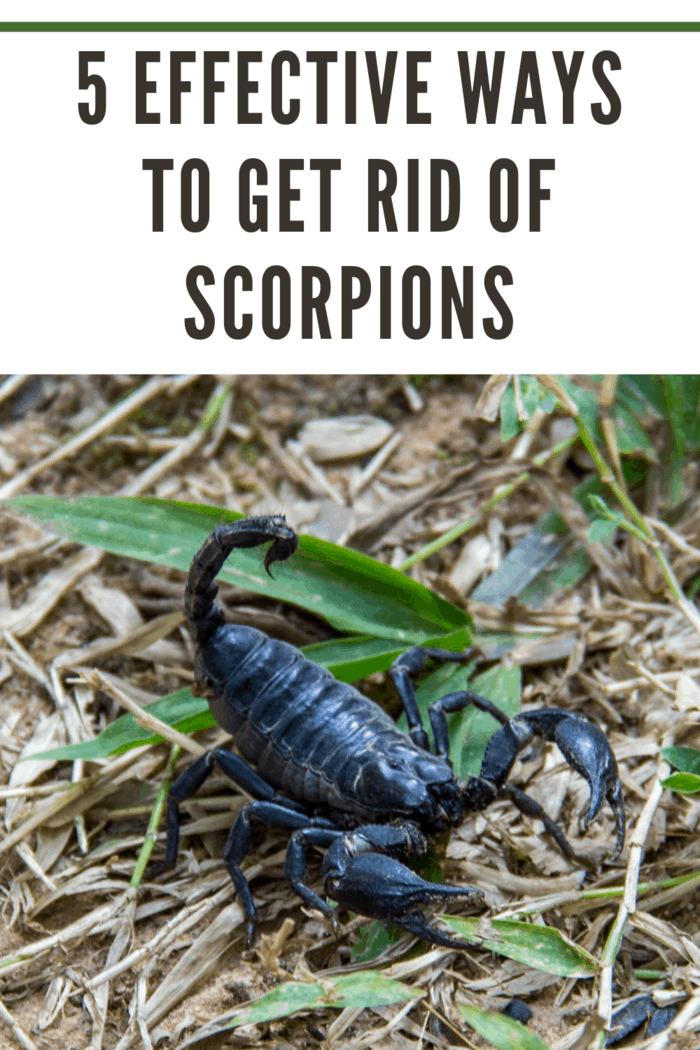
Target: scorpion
{"x":333,"y":768}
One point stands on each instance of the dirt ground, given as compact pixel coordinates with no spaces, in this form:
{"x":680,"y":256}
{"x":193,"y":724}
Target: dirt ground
{"x":85,"y":961}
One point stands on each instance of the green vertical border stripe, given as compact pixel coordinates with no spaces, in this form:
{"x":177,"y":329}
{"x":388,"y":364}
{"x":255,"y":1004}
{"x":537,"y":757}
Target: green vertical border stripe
{"x":349,"y":27}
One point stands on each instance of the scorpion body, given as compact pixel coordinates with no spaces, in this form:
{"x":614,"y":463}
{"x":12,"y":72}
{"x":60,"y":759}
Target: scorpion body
{"x":318,"y":740}
{"x":333,"y":768}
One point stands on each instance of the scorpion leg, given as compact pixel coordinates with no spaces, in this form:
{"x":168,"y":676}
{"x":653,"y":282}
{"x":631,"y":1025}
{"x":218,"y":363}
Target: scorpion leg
{"x":295,"y":866}
{"x":533,"y":809}
{"x":191,"y":780}
{"x":457,"y":702}
{"x":273,"y":815}
{"x":410,"y":663}
{"x":361,"y":871}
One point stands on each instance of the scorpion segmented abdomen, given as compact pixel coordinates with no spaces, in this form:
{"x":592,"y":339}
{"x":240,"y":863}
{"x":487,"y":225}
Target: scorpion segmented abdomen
{"x":310,"y":736}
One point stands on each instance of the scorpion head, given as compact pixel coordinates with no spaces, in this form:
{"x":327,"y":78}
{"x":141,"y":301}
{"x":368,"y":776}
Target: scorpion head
{"x":449,"y":802}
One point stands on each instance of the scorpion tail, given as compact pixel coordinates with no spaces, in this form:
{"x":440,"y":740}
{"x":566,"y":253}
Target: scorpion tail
{"x":203,"y":616}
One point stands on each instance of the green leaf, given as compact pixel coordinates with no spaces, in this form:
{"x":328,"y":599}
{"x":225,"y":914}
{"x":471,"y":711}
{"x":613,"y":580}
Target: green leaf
{"x":535,"y":396}
{"x":351,"y":659}
{"x":505,"y":1033}
{"x":532,"y":395}
{"x":354,"y":592}
{"x":686,"y":759}
{"x":641,"y":395}
{"x":471,"y":730}
{"x":630,"y":434}
{"x":510,"y":424}
{"x":373,"y":939}
{"x":355,"y":990}
{"x":541,"y":947}
{"x":587,"y":403}
{"x":565,"y":569}
{"x":682,"y":783}
{"x":180,"y":710}
{"x":601,"y":529}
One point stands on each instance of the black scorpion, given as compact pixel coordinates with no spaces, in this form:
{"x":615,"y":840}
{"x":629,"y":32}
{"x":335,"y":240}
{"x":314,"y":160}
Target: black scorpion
{"x":334,"y":769}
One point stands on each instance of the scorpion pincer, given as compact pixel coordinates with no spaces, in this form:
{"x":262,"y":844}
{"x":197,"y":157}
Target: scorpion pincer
{"x":332,"y":768}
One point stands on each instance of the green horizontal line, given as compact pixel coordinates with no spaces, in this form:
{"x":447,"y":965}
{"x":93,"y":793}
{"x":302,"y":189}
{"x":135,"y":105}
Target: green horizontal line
{"x":349,"y":27}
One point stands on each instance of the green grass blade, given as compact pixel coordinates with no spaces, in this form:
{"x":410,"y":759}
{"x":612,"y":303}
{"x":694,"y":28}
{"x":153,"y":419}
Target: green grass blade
{"x":642,"y":395}
{"x":357,"y":991}
{"x":674,"y":449}
{"x":353,"y":591}
{"x":505,"y":1033}
{"x":541,"y":947}
{"x":351,"y":659}
{"x":180,"y":710}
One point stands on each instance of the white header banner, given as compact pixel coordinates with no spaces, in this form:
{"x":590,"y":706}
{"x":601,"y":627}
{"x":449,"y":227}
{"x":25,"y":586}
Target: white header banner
{"x":354,"y":195}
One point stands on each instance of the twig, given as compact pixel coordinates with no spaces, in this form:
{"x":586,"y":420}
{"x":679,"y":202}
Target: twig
{"x":612,"y":688}
{"x":19,"y":1033}
{"x":108,"y":421}
{"x":376,"y":463}
{"x":11,"y":384}
{"x":79,"y":929}
{"x":288,"y":462}
{"x":173,"y":929}
{"x":673,"y":538}
{"x":506,"y":490}
{"x":28,"y":857}
{"x":184,"y":448}
{"x":628,"y":904}
{"x":143,"y":718}
{"x":605,"y":403}
{"x":315,"y":472}
{"x":636,"y":523}
{"x":43,"y":814}
{"x":141,"y":1023}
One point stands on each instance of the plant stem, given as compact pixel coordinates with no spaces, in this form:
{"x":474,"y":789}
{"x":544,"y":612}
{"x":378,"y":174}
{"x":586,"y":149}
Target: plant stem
{"x":465,"y":526}
{"x":644,"y":532}
{"x":156,"y":813}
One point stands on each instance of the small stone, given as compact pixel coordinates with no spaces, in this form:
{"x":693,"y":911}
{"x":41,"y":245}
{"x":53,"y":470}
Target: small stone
{"x":343,"y":437}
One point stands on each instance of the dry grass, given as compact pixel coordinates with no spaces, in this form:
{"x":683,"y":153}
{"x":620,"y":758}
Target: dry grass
{"x":89,"y":961}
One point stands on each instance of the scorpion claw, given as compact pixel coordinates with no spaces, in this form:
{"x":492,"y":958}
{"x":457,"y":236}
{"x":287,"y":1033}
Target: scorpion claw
{"x":587,"y":750}
{"x":382,"y":887}
{"x":417,"y":924}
